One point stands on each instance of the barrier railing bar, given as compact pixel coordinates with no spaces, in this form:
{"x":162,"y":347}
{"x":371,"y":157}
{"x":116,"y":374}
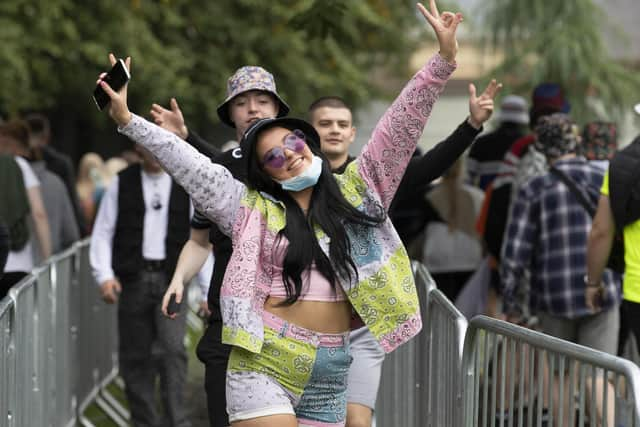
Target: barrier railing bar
{"x":553,"y":355}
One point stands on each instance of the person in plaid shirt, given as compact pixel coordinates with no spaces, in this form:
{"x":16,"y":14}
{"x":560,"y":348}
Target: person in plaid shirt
{"x":547,"y":234}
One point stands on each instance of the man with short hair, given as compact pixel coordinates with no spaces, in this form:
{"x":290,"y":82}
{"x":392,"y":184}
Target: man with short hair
{"x":56,"y":161}
{"x":333,"y":120}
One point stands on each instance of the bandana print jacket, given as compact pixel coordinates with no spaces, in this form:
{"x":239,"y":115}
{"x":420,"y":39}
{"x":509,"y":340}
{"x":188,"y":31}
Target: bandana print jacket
{"x":384,"y":295}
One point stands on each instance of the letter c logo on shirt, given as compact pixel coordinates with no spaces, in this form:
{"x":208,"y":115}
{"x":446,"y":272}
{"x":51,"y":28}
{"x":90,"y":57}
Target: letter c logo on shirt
{"x":237,"y":153}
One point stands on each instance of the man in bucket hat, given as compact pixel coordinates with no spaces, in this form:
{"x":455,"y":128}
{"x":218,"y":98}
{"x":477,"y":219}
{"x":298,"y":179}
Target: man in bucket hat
{"x":251,"y":95}
{"x":251,"y":89}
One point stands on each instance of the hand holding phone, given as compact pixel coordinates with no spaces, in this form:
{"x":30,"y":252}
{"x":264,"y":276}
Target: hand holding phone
{"x":173,"y":307}
{"x":117,"y":77}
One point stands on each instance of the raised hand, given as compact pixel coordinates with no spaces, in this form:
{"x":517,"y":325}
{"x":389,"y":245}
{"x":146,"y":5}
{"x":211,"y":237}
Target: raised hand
{"x":481,"y":107}
{"x":171,"y":120}
{"x":445,"y":26}
{"x":118,"y":109}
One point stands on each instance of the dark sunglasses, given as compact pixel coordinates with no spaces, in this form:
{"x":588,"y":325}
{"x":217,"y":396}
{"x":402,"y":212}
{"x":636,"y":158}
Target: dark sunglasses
{"x":275,"y":158}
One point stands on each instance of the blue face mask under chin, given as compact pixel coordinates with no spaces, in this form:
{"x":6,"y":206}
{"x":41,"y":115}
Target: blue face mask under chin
{"x":307,"y":178}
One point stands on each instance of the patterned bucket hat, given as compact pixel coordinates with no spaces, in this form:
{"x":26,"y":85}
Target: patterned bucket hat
{"x":599,"y":140}
{"x":556,"y":135}
{"x":245,"y":79}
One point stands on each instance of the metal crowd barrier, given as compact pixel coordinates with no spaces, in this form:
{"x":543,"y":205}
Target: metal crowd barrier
{"x":447,"y":328}
{"x":515,"y":376}
{"x":420,"y":384}
{"x":58,"y":343}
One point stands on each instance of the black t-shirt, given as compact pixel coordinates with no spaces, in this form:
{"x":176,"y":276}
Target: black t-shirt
{"x":222,"y":248}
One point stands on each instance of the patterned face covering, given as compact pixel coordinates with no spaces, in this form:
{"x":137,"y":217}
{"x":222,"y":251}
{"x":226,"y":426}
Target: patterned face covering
{"x":556,"y":135}
{"x":599,"y":141}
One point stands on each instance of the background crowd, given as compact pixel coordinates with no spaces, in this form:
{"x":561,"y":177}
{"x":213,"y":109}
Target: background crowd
{"x":532,"y":217}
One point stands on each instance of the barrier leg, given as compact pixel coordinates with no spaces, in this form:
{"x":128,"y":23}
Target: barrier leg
{"x":115,"y":404}
{"x":111,"y":413}
{"x":84,"y":421}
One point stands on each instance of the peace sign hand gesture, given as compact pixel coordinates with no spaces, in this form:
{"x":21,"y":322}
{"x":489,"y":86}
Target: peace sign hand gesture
{"x":481,"y":106}
{"x":445,"y":26}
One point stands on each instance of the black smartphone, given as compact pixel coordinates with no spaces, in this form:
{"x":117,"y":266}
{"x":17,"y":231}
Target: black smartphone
{"x":173,"y":307}
{"x":117,"y":77}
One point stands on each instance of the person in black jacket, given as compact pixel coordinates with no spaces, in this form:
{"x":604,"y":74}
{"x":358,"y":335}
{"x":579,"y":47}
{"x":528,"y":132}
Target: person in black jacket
{"x":332,"y":118}
{"x":485,"y":157}
{"x":408,"y":211}
{"x":251,"y":95}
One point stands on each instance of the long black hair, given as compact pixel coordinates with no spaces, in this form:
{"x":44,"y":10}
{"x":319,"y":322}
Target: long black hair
{"x":328,"y":210}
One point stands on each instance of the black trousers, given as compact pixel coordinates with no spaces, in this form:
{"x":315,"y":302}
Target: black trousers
{"x":10,"y":279}
{"x":450,"y":284}
{"x":151,"y":346}
{"x":4,"y":247}
{"x":215,"y":357}
{"x":632,"y":318}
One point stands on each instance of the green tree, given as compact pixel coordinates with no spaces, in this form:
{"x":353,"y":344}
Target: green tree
{"x":53,"y":50}
{"x":560,"y":41}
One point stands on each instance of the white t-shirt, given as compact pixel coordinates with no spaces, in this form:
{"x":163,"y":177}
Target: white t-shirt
{"x":156,"y":189}
{"x":22,"y":260}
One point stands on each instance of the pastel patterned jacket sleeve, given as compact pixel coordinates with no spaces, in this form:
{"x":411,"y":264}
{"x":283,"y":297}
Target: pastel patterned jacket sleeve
{"x":384,"y":158}
{"x":211,"y":186}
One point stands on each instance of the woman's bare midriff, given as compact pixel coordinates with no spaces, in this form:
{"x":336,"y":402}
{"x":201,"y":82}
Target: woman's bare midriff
{"x":318,"y":316}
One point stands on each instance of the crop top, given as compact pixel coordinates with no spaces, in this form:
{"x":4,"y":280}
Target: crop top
{"x":315,"y":287}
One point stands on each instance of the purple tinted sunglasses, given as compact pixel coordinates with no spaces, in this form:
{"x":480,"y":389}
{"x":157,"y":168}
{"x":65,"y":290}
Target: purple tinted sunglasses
{"x":275,"y":158}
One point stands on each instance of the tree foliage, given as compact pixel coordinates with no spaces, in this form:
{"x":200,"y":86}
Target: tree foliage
{"x":560,"y":41}
{"x":53,"y":50}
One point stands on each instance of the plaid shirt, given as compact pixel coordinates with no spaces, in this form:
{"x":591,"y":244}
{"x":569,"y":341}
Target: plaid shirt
{"x":546,"y":235}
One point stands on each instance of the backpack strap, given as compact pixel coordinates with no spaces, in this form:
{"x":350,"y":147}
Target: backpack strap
{"x":566,"y":179}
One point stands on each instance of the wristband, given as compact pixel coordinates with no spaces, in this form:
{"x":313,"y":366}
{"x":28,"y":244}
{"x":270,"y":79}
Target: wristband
{"x":591,"y":284}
